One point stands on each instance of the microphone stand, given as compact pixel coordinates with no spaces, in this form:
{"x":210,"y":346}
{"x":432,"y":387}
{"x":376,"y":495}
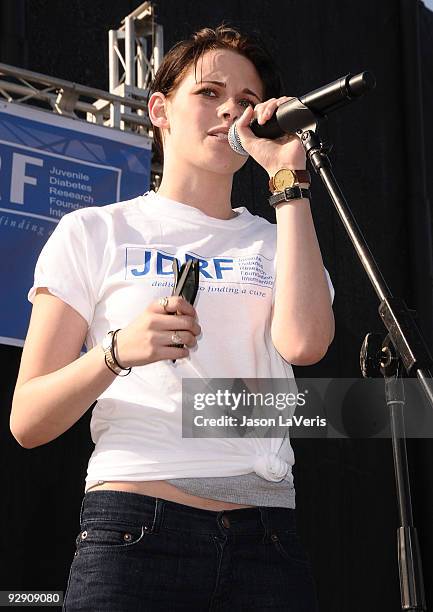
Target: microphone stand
{"x":403,"y":346}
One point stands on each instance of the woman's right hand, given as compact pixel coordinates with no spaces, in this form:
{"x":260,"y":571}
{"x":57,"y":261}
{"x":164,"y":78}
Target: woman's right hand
{"x":148,"y":338}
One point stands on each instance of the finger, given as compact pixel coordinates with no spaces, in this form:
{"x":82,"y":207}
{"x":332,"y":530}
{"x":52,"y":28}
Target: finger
{"x":177,"y":323}
{"x":183,"y":307}
{"x":245,"y":119}
{"x":172,"y":305}
{"x":266,"y":114}
{"x":172,"y":336}
{"x":267,"y":111}
{"x":283,"y":99}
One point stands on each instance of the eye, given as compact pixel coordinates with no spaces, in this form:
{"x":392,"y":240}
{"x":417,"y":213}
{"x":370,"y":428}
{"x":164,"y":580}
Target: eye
{"x":248,"y":102}
{"x":244,"y":102}
{"x":206,"y":90}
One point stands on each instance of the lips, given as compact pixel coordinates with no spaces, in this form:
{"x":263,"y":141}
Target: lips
{"x":220,"y":136}
{"x":219,"y":131}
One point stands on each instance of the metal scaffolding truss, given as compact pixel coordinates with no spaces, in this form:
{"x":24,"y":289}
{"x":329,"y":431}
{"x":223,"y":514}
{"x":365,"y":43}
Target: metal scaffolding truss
{"x":137,"y":31}
{"x":124,"y":107}
{"x":131,"y":66}
{"x":71,"y":99}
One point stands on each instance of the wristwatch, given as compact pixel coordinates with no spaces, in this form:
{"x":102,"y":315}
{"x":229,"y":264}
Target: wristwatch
{"x":284,"y":178}
{"x":107,"y":347}
{"x":289,"y":193}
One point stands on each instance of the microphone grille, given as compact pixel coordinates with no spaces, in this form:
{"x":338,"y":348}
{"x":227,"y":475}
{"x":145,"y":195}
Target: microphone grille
{"x":235,"y":141}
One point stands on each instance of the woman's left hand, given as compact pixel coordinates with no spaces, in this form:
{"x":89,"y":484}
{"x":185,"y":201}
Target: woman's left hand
{"x":284,"y":152}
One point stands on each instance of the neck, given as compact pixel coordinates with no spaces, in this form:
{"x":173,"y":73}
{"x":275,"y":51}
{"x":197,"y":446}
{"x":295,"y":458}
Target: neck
{"x":207,"y":191}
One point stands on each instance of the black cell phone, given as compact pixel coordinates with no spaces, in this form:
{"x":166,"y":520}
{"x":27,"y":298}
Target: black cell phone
{"x":186,"y":280}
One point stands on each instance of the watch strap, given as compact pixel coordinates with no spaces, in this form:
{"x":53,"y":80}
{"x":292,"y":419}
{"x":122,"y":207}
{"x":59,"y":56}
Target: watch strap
{"x":290,"y":193}
{"x":110,"y":355}
{"x":302,"y":176}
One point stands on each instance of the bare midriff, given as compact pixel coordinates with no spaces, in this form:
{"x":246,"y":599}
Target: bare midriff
{"x":165,"y":490}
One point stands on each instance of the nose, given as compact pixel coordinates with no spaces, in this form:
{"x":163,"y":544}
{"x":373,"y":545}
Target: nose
{"x":229,"y":110}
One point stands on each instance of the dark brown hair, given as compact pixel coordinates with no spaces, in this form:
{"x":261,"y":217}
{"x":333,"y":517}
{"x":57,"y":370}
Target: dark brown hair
{"x":187,"y":52}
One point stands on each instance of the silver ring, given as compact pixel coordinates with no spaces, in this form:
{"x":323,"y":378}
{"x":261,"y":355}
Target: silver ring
{"x":235,"y":141}
{"x":175,"y":338}
{"x":163,"y":302}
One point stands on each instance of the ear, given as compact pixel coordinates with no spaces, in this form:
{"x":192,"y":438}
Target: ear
{"x":157,"y":109}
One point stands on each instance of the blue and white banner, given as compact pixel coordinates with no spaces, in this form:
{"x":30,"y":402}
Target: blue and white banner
{"x":49,"y":166}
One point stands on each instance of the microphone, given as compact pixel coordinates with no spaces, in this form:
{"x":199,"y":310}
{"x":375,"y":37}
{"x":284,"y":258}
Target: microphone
{"x":295,"y":114}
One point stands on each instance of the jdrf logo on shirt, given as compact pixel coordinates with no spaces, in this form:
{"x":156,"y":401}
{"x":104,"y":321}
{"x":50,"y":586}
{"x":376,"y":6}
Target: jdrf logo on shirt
{"x":150,"y":262}
{"x":254,"y":269}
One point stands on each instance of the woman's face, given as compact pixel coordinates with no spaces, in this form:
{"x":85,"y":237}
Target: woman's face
{"x":195,"y":109}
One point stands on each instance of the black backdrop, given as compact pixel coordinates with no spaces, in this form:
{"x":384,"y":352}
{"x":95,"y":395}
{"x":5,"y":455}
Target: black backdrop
{"x":346,"y":502}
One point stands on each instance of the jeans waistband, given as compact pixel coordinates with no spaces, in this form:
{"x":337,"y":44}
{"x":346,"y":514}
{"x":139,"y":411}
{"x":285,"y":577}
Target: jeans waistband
{"x":155,"y":513}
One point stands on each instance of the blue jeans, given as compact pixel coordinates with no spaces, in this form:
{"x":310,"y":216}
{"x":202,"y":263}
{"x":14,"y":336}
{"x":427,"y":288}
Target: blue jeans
{"x":140,"y":553}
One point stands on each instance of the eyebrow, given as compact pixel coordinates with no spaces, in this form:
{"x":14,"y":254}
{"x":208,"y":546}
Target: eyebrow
{"x":247,"y":91}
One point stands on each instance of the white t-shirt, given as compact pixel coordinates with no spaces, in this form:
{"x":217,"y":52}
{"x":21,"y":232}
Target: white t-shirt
{"x":109,"y":263}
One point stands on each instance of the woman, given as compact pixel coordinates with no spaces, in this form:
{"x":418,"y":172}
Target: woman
{"x":170,"y":522}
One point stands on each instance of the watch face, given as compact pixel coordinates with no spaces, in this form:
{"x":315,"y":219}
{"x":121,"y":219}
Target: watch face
{"x":284,"y":178}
